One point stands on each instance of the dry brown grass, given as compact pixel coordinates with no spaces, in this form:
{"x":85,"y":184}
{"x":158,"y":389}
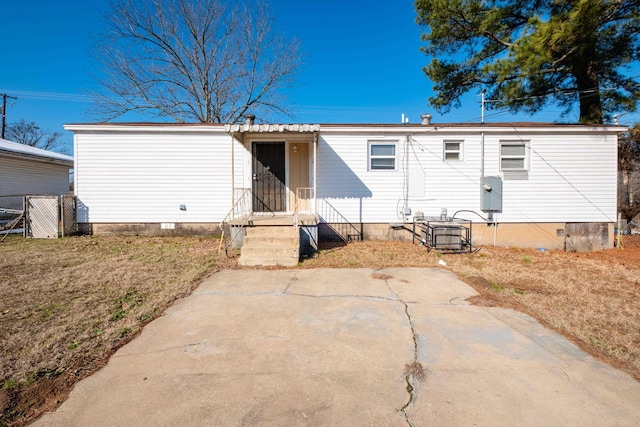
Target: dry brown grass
{"x":591,"y":298}
{"x":66,"y":305}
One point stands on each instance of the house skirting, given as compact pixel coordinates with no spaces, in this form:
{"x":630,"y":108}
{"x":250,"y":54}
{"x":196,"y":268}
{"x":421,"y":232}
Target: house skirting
{"x":550,"y":236}
{"x":151,"y":229}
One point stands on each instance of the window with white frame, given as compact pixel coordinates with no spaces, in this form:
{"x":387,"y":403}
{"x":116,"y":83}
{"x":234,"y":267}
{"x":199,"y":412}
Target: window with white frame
{"x":452,"y":150}
{"x":382,"y":155}
{"x":513,"y":156}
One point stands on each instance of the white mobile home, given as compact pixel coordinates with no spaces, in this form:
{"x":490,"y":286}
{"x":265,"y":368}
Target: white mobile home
{"x":521,"y":184}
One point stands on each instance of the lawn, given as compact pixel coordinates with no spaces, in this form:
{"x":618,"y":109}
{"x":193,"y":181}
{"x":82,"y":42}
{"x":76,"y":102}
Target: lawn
{"x":66,"y":305}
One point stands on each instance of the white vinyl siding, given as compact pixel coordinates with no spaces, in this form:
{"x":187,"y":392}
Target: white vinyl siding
{"x":346,"y":182}
{"x":20,"y":176}
{"x":382,"y":155}
{"x":145,"y":177}
{"x":569,"y":177}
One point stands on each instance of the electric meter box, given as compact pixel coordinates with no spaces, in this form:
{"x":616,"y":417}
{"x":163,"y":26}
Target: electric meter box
{"x":491,"y":194}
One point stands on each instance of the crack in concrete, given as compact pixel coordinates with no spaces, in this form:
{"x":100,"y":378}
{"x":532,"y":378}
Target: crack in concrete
{"x":408,"y":371}
{"x":161,"y":350}
{"x":410,"y":374}
{"x":373,"y":297}
{"x":298,"y":294}
{"x":286,"y":292}
{"x":293,"y":279}
{"x":236,"y":293}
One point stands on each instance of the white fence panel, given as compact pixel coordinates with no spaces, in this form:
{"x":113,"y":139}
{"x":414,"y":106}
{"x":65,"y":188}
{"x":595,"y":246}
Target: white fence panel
{"x":42,"y":217}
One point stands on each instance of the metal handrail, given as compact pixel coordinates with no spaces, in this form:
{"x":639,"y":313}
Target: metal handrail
{"x":232,"y":212}
{"x":246,"y":197}
{"x":332,"y":217}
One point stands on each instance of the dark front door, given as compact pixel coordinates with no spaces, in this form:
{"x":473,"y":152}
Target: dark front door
{"x":269,"y":193}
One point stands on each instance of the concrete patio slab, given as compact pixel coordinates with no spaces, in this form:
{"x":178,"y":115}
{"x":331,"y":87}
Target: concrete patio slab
{"x":330,"y":347}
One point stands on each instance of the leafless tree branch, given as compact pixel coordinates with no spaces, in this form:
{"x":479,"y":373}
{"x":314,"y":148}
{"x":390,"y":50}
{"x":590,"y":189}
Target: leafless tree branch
{"x":193,"y":60}
{"x":29,"y":133}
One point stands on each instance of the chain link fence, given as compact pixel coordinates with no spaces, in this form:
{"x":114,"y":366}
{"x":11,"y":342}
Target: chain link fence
{"x":11,"y":214}
{"x":629,"y":235}
{"x":630,"y":241}
{"x":38,"y":216}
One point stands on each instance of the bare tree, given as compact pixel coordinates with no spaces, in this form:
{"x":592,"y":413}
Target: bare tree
{"x":208,"y":61}
{"x":29,"y":133}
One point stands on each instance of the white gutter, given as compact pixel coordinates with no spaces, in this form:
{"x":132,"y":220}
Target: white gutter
{"x":233,"y":172}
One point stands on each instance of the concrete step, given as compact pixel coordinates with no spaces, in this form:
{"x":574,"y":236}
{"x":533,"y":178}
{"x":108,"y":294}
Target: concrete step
{"x":277,"y":231}
{"x":266,"y":252}
{"x":270,"y":241}
{"x":270,"y":245}
{"x":280,"y":261}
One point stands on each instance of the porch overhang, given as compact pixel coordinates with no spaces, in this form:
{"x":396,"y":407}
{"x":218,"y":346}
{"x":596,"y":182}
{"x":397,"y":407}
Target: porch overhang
{"x":308,"y":133}
{"x":238,"y":131}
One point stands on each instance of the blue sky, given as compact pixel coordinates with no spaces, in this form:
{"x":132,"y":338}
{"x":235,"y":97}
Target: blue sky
{"x":362,"y":63}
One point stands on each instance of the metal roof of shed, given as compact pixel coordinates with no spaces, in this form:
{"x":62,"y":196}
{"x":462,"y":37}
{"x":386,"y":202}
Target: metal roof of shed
{"x":21,"y":150}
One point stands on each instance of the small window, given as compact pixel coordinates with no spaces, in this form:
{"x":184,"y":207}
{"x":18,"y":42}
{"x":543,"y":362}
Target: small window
{"x":382,"y":156}
{"x":513,"y":156}
{"x":452,"y":150}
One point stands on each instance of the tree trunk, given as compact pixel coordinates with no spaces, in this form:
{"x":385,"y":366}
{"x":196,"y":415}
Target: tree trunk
{"x":589,"y":93}
{"x":626,"y":188}
{"x":585,"y":64}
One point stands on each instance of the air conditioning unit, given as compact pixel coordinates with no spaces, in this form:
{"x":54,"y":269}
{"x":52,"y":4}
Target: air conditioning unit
{"x":447,"y":237}
{"x":453,"y":235}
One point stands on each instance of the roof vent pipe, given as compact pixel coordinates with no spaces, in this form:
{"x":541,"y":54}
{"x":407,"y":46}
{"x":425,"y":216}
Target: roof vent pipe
{"x":426,"y":119}
{"x":249,"y":119}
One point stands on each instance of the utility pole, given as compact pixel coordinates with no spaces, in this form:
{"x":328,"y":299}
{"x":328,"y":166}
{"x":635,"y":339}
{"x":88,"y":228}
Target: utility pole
{"x":482,"y":102}
{"x":4,"y":110}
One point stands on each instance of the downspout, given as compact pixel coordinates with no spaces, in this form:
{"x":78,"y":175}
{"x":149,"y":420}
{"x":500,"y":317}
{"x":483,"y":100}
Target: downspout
{"x":406,"y":171}
{"x":495,"y":232}
{"x":482,"y":145}
{"x":233,"y":174}
{"x":315,"y":173}
{"x":482,"y":142}
{"x":481,"y":159}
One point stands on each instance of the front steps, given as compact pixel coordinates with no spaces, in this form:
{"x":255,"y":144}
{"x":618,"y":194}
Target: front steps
{"x":270,"y":245}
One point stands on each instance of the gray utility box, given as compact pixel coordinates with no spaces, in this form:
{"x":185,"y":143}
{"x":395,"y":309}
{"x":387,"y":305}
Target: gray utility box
{"x":491,"y":194}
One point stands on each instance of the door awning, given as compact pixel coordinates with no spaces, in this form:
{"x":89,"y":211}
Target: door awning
{"x":272,"y":128}
{"x":238,"y":131}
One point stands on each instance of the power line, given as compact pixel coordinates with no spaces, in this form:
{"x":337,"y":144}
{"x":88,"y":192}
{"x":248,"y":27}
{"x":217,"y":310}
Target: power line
{"x":52,"y":96}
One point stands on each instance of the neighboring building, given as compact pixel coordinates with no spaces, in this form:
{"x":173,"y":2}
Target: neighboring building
{"x":520,"y":183}
{"x":26,"y":170}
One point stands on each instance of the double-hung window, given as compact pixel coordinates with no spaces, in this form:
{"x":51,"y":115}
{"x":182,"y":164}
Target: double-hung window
{"x":382,"y":155}
{"x":452,"y":150}
{"x":513,"y":156}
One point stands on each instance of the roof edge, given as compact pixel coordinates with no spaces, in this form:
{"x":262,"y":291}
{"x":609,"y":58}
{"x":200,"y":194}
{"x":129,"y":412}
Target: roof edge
{"x":307,"y":127}
{"x":15,"y":149}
